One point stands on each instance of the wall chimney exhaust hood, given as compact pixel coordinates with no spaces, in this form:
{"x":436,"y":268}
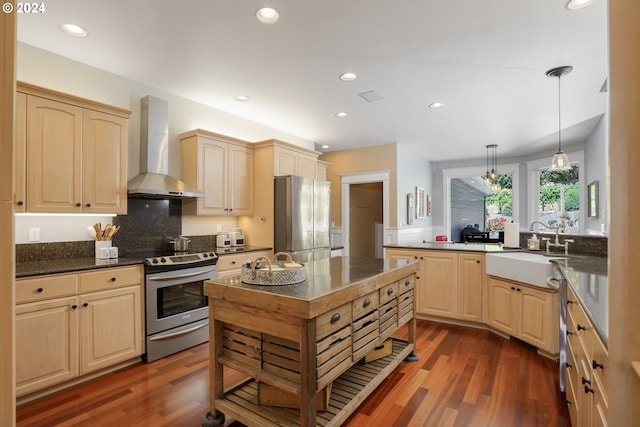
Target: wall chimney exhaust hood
{"x":154,"y":181}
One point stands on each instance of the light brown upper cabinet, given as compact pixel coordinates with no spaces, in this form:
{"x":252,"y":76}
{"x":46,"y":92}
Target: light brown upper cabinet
{"x":74,"y":157}
{"x":220,"y":166}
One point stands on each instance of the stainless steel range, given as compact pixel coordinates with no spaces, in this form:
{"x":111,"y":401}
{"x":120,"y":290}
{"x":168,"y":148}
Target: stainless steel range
{"x":176,"y":306}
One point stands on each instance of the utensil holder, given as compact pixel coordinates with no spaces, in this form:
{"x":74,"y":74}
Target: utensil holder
{"x":100,"y":246}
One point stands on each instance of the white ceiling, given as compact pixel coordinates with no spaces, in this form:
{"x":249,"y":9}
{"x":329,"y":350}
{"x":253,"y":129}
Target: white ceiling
{"x":486,"y":60}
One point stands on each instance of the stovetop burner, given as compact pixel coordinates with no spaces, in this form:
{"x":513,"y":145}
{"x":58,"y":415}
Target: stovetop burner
{"x":180,"y":260}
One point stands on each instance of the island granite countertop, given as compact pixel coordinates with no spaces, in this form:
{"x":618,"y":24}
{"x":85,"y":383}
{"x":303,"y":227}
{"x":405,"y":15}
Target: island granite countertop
{"x":328,"y":282}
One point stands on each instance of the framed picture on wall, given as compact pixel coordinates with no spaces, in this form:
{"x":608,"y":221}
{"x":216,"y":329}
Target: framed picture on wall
{"x":420,"y":202}
{"x":592,"y":199}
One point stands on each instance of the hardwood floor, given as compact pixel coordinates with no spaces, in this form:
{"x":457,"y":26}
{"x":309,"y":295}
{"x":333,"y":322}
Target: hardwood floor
{"x":465,"y":377}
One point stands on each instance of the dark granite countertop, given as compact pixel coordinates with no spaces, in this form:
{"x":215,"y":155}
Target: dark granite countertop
{"x":587,"y":277}
{"x":239,"y":250}
{"x":450,"y":246}
{"x":69,"y":265}
{"x":74,"y":264}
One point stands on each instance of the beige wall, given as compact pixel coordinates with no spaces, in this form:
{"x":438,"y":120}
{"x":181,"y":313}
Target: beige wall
{"x":7,"y":260}
{"x":624,"y":157}
{"x":360,"y":160}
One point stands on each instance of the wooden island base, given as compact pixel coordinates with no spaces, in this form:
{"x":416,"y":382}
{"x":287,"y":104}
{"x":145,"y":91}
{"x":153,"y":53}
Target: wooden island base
{"x":301,"y":340}
{"x":349,"y":390}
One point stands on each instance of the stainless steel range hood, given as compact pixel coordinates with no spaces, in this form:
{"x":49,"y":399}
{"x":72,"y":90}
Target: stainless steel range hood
{"x":154,"y":181}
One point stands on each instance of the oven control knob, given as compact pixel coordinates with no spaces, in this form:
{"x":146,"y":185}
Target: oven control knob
{"x":205,"y":255}
{"x":163,"y":259}
{"x":155,"y":260}
{"x":212,"y":254}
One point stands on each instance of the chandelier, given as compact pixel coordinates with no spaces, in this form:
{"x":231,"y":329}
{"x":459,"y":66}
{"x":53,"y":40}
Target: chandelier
{"x":491,"y":177}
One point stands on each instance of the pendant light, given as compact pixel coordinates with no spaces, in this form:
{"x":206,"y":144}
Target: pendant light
{"x":560,"y":160}
{"x":491,"y":178}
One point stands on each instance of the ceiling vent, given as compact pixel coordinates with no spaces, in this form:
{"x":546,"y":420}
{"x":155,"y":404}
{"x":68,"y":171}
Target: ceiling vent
{"x":371,"y":96}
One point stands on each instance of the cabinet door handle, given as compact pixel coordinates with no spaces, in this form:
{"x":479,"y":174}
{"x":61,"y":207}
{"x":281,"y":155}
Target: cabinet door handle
{"x":588,"y":390}
{"x":74,"y":306}
{"x":366,"y":303}
{"x":585,"y":381}
{"x":570,"y":302}
{"x":581,"y":328}
{"x":596,"y":365}
{"x":569,"y":333}
{"x":477,"y":261}
{"x":568,"y":365}
{"x":86,"y":304}
{"x":39,"y":290}
{"x":335,"y":318}
{"x":78,"y":204}
{"x":20,"y":203}
{"x":518,"y":289}
{"x":88,"y":205}
{"x":513,"y":288}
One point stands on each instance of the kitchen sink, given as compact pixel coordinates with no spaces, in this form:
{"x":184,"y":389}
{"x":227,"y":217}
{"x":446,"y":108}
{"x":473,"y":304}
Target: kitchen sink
{"x":526,"y":267}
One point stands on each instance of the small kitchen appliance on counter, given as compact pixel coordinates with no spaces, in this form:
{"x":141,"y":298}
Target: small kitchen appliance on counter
{"x":236,"y":237}
{"x":223,"y":240}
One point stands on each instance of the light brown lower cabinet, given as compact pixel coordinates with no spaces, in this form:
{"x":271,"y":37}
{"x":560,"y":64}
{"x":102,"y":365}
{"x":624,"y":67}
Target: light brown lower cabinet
{"x":524,"y":312}
{"x":587,"y":369}
{"x":231,"y":265}
{"x":70,"y":325}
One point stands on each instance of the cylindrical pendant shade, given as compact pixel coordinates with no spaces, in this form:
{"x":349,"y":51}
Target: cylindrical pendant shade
{"x":560,"y":162}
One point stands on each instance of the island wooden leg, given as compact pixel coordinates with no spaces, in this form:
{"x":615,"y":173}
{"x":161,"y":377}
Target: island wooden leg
{"x":308,"y":373}
{"x":213,"y":417}
{"x":412,"y":357}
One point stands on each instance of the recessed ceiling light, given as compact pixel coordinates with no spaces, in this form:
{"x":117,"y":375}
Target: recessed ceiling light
{"x":578,"y":4}
{"x":74,"y":30}
{"x":242,"y":98}
{"x":436,"y":105}
{"x":267,"y":15}
{"x":348,"y":77}
{"x":324,"y":147}
{"x":341,"y":115}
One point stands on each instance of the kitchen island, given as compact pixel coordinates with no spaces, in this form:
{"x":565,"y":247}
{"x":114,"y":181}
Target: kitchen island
{"x":306,"y":340}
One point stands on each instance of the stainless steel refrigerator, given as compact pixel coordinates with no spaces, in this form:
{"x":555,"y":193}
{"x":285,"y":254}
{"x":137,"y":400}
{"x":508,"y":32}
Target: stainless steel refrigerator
{"x":302,"y":217}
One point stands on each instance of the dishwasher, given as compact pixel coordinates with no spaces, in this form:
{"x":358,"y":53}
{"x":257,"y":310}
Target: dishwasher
{"x":559,"y":282}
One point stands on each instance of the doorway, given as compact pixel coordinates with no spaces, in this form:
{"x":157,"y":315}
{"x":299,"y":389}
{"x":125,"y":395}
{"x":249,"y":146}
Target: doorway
{"x":365,"y":219}
{"x":379,"y":178}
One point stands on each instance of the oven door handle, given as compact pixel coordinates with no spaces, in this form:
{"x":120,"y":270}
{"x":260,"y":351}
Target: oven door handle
{"x":180,"y":333}
{"x":180,"y":276}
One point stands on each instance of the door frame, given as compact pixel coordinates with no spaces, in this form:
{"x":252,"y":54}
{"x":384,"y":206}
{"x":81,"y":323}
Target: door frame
{"x":364,"y":178}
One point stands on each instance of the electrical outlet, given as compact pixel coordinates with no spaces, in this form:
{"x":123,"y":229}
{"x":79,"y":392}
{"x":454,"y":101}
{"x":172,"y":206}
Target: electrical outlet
{"x":34,"y":234}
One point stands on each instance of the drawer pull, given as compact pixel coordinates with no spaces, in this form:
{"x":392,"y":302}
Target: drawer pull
{"x":39,"y":290}
{"x":596,"y":365}
{"x":113,"y":279}
{"x":585,"y":381}
{"x":389,"y":291}
{"x":407,"y":282}
{"x":335,"y":318}
{"x":335,"y":343}
{"x":588,"y":390}
{"x":233,"y":262}
{"x":366,"y":303}
{"x":581,"y":328}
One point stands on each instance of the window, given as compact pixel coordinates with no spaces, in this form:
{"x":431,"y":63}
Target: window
{"x":555,"y":197}
{"x":469,"y":202}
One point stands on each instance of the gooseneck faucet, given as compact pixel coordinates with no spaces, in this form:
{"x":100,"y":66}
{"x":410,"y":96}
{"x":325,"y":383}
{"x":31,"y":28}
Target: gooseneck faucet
{"x":557,"y":228}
